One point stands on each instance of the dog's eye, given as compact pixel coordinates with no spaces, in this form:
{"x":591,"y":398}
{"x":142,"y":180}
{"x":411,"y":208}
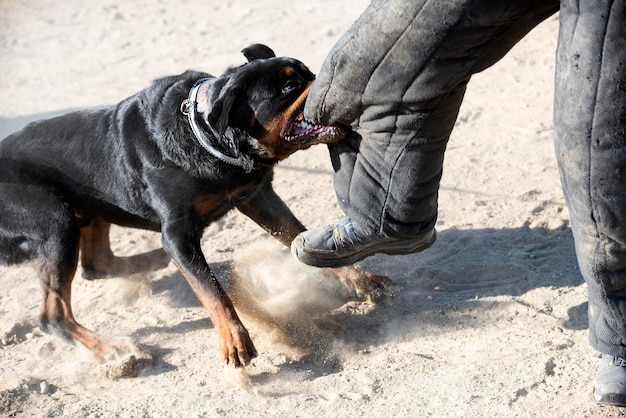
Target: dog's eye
{"x":288,"y":87}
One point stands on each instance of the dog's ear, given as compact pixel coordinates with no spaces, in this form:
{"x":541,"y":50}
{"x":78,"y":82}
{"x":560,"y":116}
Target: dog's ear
{"x":221,"y":109}
{"x":258,"y":51}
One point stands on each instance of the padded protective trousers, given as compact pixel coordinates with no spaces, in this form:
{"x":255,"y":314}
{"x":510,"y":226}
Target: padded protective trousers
{"x":398,"y":76}
{"x":590,"y":141}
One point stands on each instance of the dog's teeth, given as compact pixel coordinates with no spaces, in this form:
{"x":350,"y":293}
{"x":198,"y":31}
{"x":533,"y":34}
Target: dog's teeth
{"x":301,"y":127}
{"x":306,"y":125}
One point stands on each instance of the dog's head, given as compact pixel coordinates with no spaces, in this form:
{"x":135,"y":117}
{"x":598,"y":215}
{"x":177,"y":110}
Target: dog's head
{"x":265,"y":98}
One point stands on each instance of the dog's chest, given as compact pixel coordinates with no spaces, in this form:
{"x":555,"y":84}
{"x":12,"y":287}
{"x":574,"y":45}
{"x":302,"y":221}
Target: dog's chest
{"x":210,"y":206}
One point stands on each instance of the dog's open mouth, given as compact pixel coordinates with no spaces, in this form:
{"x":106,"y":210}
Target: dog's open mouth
{"x":300,"y":131}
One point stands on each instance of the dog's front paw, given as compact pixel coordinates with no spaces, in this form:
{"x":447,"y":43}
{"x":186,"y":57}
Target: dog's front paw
{"x":236,"y":345}
{"x":366,"y":284}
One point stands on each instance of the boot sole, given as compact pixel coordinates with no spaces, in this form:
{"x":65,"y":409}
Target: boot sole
{"x":389,"y":248}
{"x":614,"y":399}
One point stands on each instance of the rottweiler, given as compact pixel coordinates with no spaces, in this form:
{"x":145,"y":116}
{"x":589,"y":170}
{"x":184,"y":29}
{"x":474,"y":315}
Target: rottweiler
{"x":172,"y":158}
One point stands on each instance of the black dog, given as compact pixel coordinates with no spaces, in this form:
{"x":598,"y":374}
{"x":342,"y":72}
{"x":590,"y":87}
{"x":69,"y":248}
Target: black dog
{"x":172,"y":158}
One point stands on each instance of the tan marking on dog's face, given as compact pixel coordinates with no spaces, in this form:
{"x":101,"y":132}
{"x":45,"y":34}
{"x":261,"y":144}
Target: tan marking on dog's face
{"x":272,"y":141}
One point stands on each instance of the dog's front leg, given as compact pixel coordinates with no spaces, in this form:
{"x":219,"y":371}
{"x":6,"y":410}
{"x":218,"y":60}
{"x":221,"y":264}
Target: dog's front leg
{"x":269,"y":211}
{"x":235,"y":343}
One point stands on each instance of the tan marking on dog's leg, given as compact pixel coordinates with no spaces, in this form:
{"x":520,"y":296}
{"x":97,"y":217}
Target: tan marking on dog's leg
{"x":56,"y":312}
{"x":236,"y":346}
{"x":98,"y":260}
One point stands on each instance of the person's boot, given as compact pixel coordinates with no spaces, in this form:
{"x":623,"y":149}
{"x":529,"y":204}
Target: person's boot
{"x":610,"y":382}
{"x":342,"y":244}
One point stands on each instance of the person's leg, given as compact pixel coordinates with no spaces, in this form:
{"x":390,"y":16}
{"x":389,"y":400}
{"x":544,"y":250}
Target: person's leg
{"x":399,"y":76}
{"x":590,"y":142}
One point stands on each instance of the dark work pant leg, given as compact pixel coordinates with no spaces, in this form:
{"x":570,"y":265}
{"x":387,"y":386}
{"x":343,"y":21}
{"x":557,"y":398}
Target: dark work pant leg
{"x":398,"y":76}
{"x":590,"y":142}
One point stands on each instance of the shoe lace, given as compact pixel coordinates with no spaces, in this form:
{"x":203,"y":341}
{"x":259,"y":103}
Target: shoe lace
{"x":618,"y":361}
{"x":343,"y":234}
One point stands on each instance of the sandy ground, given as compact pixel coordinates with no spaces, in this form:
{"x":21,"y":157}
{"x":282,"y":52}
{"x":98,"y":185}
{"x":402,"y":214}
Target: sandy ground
{"x":491,"y":321}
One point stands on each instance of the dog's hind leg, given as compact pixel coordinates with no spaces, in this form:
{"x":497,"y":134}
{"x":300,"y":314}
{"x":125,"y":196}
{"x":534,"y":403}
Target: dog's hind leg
{"x":98,"y":261}
{"x":55,"y":255}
